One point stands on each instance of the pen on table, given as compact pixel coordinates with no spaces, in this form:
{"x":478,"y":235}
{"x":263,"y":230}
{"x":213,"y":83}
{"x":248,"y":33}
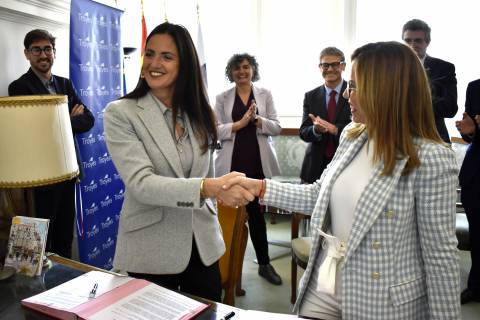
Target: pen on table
{"x":228,"y":316}
{"x":94,"y":291}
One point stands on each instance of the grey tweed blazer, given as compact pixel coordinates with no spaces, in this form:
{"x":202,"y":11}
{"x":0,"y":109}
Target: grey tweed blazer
{"x":162,"y":209}
{"x":401,"y":260}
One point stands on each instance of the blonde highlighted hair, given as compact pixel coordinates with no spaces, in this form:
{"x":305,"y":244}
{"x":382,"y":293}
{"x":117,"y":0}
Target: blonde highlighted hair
{"x":394,"y":94}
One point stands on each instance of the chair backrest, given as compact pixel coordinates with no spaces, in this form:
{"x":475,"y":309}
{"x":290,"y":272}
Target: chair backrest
{"x":235,"y":235}
{"x":290,"y":152}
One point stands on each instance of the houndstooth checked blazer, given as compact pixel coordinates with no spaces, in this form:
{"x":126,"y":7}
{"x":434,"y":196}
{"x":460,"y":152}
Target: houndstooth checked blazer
{"x":401,"y":260}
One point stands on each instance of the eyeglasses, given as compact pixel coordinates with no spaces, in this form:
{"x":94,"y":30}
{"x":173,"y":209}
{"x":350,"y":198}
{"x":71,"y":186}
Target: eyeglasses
{"x":352,"y":86}
{"x":334,"y":65}
{"x":415,"y":40}
{"x":36,"y":51}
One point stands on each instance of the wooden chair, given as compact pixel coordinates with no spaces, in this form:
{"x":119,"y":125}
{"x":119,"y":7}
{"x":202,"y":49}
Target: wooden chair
{"x":235,"y":235}
{"x":300,"y":252}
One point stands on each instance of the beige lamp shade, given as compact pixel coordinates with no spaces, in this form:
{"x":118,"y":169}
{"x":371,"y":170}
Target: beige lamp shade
{"x":36,"y":141}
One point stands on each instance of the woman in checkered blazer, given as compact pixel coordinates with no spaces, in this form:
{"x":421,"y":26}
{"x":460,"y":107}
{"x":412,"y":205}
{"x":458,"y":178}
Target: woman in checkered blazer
{"x":384,"y":209}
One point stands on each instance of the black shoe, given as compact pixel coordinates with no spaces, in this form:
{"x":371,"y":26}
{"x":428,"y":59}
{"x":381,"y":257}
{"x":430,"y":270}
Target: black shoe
{"x":269,"y":273}
{"x":468,"y":296}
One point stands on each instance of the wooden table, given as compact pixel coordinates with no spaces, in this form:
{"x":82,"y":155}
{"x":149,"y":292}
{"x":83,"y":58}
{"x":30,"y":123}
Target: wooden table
{"x":19,"y":287}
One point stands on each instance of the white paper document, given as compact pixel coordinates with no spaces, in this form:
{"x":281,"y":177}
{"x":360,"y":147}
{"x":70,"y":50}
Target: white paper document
{"x":76,"y":291}
{"x":151,"y":302}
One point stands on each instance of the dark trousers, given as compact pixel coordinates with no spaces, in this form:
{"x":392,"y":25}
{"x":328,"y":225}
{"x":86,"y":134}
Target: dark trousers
{"x":57,"y":203}
{"x":196,"y":279}
{"x":470,"y":200}
{"x":258,"y":231}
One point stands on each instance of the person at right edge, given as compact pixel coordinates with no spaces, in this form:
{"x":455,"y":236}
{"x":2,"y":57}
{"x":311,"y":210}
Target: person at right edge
{"x":325,"y":113}
{"x":441,"y":74}
{"x":469,"y":178}
{"x":246,"y":120}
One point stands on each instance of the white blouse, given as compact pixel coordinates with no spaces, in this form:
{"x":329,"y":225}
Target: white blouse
{"x":345,"y":194}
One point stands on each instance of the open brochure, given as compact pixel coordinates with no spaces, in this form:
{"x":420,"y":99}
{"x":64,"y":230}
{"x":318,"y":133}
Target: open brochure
{"x":26,"y":245}
{"x":99,"y":295}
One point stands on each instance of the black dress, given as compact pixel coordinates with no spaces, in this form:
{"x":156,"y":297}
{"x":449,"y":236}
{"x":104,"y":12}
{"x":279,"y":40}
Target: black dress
{"x":246,"y":159}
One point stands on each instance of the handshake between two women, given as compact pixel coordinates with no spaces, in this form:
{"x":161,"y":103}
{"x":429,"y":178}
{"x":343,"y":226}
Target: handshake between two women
{"x":233,"y":189}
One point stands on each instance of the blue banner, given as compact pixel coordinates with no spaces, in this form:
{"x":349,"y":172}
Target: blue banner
{"x":96,"y":71}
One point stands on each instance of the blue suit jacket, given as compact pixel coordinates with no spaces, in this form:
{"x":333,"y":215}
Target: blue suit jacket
{"x":30,"y":84}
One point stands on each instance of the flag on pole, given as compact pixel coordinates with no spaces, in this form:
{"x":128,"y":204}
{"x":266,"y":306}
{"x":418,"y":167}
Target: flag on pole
{"x":200,"y":52}
{"x":144,"y":35}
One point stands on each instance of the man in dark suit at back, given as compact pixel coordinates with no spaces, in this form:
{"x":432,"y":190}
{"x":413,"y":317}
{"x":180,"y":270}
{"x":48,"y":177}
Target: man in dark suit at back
{"x":441,"y":74}
{"x":325,"y":113}
{"x":57,"y":201}
{"x":469,"y":178}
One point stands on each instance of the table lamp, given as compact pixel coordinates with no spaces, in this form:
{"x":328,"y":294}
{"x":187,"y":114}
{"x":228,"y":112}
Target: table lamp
{"x":36,"y":149}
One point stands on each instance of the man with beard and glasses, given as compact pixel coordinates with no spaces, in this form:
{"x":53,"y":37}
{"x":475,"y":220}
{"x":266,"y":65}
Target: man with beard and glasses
{"x":57,"y":201}
{"x":325,"y":113}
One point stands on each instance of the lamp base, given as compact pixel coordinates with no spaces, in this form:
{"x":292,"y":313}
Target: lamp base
{"x":7,"y":272}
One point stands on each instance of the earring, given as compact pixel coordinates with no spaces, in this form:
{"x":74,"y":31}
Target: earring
{"x":142,"y":75}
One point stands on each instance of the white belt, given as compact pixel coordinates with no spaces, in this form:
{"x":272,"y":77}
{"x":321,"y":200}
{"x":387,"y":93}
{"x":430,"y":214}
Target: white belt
{"x":335,"y":251}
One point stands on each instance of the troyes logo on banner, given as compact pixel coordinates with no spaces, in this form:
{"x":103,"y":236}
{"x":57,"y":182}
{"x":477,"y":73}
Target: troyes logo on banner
{"x":106,"y":202}
{"x":116,"y":69}
{"x":88,"y":92}
{"x":119,"y":195}
{"x":99,"y":21}
{"x":102,"y":69}
{"x":102,"y":46}
{"x":104,"y":159}
{"x":93,"y":232}
{"x":102,"y":91}
{"x":117,"y":92}
{"x":91,"y":210}
{"x":105,"y":180}
{"x":94,"y":253}
{"x":90,"y":187}
{"x":108,"y":244}
{"x":88,"y":140}
{"x":86,"y":67}
{"x":89,"y":164}
{"x":107,"y":223}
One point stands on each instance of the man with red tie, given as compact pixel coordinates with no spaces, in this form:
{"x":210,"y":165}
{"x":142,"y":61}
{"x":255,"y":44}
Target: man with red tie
{"x":325,"y":113}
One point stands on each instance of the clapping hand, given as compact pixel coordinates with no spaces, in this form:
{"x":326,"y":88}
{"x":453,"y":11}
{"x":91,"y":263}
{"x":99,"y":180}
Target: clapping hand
{"x":323,"y":126}
{"x":466,"y":126}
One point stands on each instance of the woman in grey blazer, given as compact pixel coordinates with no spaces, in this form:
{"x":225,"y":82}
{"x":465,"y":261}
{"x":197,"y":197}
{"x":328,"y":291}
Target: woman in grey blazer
{"x":246,"y":120}
{"x":384,"y":209}
{"x":160,"y":137}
